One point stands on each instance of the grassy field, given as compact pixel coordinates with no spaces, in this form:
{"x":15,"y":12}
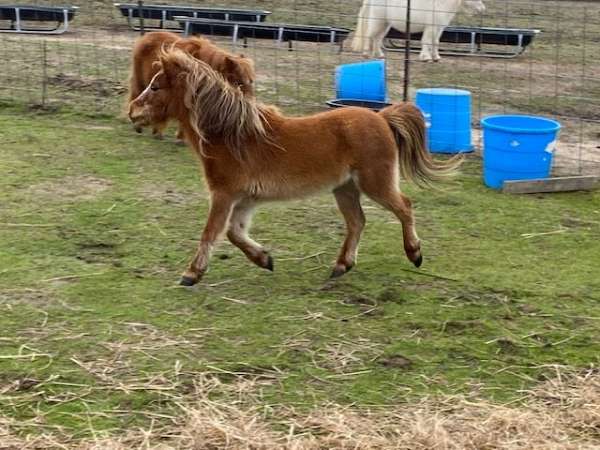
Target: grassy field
{"x":97,"y":224}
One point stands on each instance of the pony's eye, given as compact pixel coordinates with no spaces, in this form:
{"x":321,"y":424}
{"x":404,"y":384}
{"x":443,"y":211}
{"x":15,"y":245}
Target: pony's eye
{"x":154,"y":88}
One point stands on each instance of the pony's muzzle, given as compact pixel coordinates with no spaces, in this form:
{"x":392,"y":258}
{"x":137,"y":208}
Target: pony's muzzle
{"x":138,"y":117}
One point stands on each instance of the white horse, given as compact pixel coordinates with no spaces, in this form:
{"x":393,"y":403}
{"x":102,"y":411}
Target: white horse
{"x":430,"y":17}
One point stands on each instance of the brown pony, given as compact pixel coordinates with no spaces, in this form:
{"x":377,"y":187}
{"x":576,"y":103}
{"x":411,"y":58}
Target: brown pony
{"x":252,"y":153}
{"x":238,"y":70}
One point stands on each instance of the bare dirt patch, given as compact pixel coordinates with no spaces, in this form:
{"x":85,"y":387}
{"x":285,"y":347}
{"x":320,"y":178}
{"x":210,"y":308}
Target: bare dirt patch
{"x":72,"y":188}
{"x":169,"y":194}
{"x":97,"y":86}
{"x":15,"y":297}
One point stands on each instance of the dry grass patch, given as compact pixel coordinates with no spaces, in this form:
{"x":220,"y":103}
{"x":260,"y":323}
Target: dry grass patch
{"x":562,"y":413}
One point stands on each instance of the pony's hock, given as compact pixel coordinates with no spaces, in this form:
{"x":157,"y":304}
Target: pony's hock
{"x":21,"y":17}
{"x":260,"y":155}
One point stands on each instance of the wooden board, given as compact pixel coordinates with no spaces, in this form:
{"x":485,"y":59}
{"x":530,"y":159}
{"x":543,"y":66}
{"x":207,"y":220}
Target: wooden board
{"x":558,"y":184}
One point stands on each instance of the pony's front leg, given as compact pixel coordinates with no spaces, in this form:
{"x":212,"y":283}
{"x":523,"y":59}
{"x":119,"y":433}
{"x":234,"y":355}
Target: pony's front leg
{"x":239,"y":226}
{"x":180,"y":136}
{"x":158,"y":130}
{"x":220,"y":210}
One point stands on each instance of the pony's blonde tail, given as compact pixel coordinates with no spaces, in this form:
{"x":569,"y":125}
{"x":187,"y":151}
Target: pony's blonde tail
{"x":416,"y":163}
{"x":359,"y":43}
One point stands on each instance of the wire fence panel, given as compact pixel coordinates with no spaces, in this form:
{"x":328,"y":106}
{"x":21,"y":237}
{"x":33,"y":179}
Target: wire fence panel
{"x":557,"y":75}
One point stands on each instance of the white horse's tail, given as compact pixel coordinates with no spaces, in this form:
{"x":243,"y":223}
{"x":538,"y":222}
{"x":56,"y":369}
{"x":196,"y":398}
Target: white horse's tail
{"x":360,"y":42}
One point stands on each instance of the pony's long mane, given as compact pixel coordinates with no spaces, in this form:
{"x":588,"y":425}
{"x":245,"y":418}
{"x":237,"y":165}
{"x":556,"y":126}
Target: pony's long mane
{"x":218,"y":110}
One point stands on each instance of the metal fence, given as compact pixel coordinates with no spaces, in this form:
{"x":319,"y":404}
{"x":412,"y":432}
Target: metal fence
{"x":558,"y":75}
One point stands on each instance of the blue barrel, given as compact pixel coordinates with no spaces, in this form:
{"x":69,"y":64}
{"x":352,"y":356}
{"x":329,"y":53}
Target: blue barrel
{"x":448,"y":115}
{"x":361,"y":81}
{"x":517,"y":147}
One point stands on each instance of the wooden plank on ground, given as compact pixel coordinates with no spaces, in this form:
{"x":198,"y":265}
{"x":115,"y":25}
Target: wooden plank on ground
{"x":558,"y":184}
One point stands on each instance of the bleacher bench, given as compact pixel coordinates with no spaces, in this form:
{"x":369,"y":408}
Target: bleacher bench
{"x":21,"y":16}
{"x":278,"y":32}
{"x":515,"y":40}
{"x":167,"y":13}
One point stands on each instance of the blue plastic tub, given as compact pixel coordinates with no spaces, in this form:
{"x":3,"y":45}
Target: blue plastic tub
{"x":448,"y":115}
{"x":361,"y":81}
{"x":517,"y":147}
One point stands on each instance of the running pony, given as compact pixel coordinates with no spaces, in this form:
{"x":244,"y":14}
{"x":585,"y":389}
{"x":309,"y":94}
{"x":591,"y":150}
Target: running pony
{"x":252,"y":153}
{"x":238,"y":70}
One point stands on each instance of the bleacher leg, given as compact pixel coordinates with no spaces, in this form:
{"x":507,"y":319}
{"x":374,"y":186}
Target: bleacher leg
{"x":18,"y":19}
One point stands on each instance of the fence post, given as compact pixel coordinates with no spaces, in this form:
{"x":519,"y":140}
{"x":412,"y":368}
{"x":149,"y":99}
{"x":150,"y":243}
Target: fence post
{"x":407,"y":53}
{"x":44,"y":73}
{"x":141,"y":14}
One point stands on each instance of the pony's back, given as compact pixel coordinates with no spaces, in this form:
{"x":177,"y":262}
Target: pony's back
{"x":238,"y":70}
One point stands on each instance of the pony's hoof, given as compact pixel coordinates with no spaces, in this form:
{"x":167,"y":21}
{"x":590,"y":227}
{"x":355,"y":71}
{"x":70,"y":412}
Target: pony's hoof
{"x":270,"y":264}
{"x":138,"y":130}
{"x":417,"y":262}
{"x":340,"y":269}
{"x":187,"y":281}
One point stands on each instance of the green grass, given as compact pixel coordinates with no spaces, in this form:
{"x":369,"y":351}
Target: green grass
{"x":97,"y":223}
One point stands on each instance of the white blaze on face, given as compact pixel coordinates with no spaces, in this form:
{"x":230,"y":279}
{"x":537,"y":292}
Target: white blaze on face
{"x":145,"y":92}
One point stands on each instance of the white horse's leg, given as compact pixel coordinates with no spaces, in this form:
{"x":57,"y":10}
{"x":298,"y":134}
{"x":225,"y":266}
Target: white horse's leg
{"x":359,"y":43}
{"x":378,"y":42}
{"x":427,"y":43}
{"x":376,"y":30}
{"x":436,"y":44}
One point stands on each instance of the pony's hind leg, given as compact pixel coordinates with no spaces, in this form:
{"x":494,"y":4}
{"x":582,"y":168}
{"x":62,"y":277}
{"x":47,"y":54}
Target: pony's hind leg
{"x":239,"y":226}
{"x":347,"y":197}
{"x":220,"y":210}
{"x":382,"y":188}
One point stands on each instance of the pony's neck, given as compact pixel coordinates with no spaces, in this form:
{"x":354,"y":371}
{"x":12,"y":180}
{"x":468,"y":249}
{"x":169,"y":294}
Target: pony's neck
{"x":190,"y":134}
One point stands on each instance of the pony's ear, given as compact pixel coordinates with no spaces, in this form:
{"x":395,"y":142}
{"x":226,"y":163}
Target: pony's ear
{"x":169,"y":65}
{"x":231,"y":65}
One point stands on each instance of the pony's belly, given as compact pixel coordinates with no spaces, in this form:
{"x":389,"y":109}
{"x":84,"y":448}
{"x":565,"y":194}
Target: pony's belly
{"x":290,"y":188}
